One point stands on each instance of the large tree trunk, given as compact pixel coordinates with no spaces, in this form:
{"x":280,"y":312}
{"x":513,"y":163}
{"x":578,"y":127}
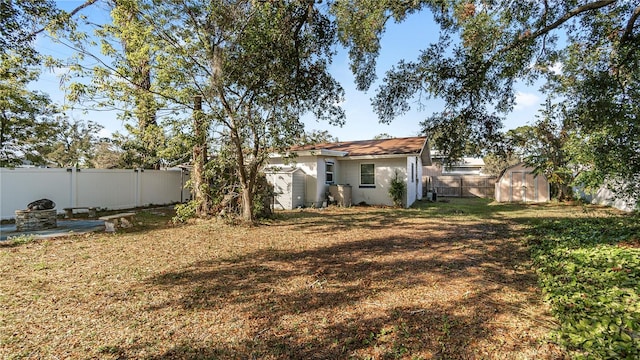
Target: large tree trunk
{"x":247,"y":182}
{"x":3,"y":122}
{"x":140,"y":67}
{"x":200,"y":189}
{"x":564,"y":192}
{"x":247,"y":205}
{"x":246,"y":177}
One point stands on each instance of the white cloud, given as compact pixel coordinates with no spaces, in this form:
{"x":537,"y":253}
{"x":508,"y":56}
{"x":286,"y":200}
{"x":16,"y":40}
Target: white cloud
{"x":525,"y":100}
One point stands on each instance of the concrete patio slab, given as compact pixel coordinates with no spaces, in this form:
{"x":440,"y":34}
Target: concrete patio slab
{"x":65,"y":227}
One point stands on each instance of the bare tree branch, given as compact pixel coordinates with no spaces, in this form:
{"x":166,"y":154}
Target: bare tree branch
{"x":545,"y":30}
{"x":572,"y":13}
{"x":69,"y":16}
{"x":628,"y":31}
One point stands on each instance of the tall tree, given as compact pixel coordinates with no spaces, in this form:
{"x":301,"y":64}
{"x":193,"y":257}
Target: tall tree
{"x":122,"y":80}
{"x":600,"y":86}
{"x":496,"y":162}
{"x":201,"y":190}
{"x":258,"y":66}
{"x":485,"y":47}
{"x":316,"y":137}
{"x":383,"y":136}
{"x":107,"y":155}
{"x":27,"y":120}
{"x":25,"y":116}
{"x":544,"y":146}
{"x":19,"y":21}
{"x":72,"y":143}
{"x":135,"y":61}
{"x":550,"y":154}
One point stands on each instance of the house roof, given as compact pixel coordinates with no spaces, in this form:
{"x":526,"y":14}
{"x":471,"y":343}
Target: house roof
{"x":397,"y":146}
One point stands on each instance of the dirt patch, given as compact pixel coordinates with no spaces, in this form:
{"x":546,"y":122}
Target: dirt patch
{"x":339,"y":283}
{"x":633,"y":243}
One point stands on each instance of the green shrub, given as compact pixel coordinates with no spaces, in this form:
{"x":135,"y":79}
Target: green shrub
{"x":262,"y":198}
{"x":185,"y":211}
{"x":397,"y":190}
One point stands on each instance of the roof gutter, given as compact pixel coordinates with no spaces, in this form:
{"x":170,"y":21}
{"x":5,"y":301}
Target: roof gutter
{"x":318,"y":152}
{"x":387,"y":156}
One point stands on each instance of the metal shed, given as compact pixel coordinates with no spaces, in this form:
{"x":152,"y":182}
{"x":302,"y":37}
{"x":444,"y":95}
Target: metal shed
{"x":518,"y":183}
{"x":288,"y":185}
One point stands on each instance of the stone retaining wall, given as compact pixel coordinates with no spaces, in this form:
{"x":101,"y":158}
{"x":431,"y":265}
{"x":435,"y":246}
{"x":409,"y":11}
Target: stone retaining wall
{"x":36,"y":219}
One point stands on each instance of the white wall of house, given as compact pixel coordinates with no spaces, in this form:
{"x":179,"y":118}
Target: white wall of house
{"x":346,"y":171}
{"x":298,"y":189}
{"x":112,"y":189}
{"x":420,"y":177}
{"x":413,"y":180}
{"x":315,"y":167}
{"x":321,"y":185}
{"x":384,"y":172}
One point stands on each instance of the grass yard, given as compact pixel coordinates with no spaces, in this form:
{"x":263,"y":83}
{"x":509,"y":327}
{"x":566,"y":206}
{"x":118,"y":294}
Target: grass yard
{"x":451,"y":280}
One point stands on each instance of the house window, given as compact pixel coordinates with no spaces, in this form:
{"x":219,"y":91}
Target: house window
{"x":329,"y":173}
{"x":412,"y":171}
{"x":367,"y":175}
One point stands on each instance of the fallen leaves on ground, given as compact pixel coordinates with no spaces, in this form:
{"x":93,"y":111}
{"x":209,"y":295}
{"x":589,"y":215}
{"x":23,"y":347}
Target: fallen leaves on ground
{"x":362,"y":283}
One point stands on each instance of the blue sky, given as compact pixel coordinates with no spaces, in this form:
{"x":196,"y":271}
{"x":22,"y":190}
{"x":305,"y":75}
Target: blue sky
{"x":400,"y":41}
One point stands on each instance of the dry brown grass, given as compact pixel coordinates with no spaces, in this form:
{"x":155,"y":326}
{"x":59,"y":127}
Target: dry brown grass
{"x":360,"y":283}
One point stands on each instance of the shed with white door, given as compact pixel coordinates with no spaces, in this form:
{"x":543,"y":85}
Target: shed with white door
{"x":518,"y":183}
{"x":288,"y":187}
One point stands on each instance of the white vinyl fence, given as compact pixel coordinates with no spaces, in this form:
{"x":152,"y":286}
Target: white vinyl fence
{"x":102,"y":188}
{"x":606,"y":197}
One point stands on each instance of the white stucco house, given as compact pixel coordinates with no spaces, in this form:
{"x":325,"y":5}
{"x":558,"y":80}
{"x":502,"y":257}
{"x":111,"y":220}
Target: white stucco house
{"x":365,"y":168}
{"x":466,"y":166}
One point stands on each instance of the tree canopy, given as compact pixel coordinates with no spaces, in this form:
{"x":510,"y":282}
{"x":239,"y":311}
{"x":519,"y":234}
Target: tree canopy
{"x":25,"y":116}
{"x":258,"y":66}
{"x":485,"y":47}
{"x":18,"y":21}
{"x":23,"y":113}
{"x":31,"y":128}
